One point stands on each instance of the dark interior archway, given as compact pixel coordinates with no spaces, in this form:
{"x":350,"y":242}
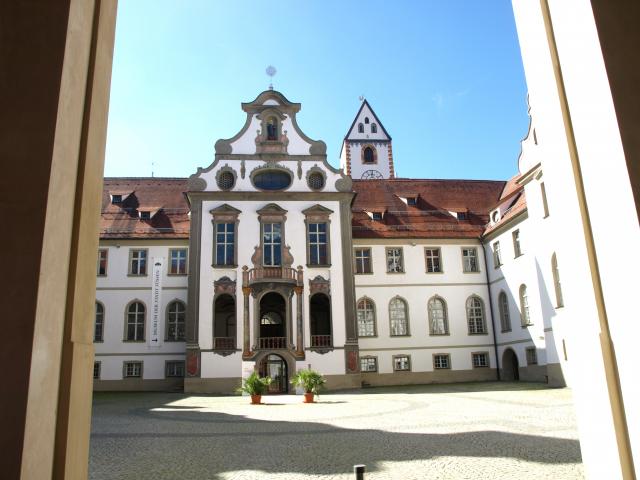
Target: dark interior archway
{"x":224,"y":322}
{"x":510,"y":366}
{"x":275,"y":366}
{"x":320,"y":320}
{"x":273,"y":319}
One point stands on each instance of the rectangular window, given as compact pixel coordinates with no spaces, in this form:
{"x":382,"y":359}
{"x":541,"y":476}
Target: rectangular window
{"x":413,"y":201}
{"x":441,"y":360}
{"x":545,"y":205}
{"x":174,"y":369}
{"x":376,"y":216}
{"x":401,"y":363}
{"x":132,"y":369}
{"x":363,"y":260}
{"x":272,"y":244}
{"x":96,"y":370}
{"x":394,"y":260}
{"x":517,"y":249}
{"x":102,"y":261}
{"x":434,"y":262}
{"x":470,"y":260}
{"x":480,"y":360}
{"x":138,"y":262}
{"x":497,"y":256}
{"x":178,"y":259}
{"x":317,"y":238}
{"x":368,"y":364}
{"x":532,"y":356}
{"x":225,"y":244}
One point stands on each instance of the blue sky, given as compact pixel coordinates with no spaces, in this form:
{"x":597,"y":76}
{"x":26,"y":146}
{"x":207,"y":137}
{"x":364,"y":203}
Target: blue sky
{"x":444,"y":77}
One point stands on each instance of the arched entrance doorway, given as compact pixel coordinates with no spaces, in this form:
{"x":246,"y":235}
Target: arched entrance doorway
{"x":273,"y":317}
{"x":510,"y":367}
{"x":275,"y":366}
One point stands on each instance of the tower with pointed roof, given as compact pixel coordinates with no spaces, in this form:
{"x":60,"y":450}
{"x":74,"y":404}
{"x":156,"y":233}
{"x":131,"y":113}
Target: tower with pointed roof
{"x":366,"y":150}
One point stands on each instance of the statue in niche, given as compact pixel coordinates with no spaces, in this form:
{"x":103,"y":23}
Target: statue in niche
{"x":272,"y":129}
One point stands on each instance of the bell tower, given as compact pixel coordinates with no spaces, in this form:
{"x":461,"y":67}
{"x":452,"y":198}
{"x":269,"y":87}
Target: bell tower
{"x":366,"y":150}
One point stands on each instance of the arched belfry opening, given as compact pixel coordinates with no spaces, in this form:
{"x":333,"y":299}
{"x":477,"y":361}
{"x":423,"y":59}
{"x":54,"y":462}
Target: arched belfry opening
{"x":273,"y":321}
{"x":320,"y":321}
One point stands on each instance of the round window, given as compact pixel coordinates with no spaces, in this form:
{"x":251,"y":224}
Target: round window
{"x":272,"y":180}
{"x":316,"y":181}
{"x":226,"y":180}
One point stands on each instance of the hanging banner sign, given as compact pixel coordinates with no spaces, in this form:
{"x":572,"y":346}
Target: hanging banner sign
{"x":155,"y":335}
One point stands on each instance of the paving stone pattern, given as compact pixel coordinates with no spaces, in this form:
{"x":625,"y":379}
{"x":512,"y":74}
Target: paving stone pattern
{"x":462,"y":431}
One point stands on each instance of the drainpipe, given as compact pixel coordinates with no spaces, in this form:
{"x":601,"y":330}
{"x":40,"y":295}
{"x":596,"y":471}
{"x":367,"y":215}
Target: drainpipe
{"x":493,"y":320}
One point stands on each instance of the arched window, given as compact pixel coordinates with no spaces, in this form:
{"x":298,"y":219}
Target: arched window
{"x":367,"y":156}
{"x":224,"y":322}
{"x":366,"y":120}
{"x":98,"y":331}
{"x":360,"y":128}
{"x":320,"y":320}
{"x":503,"y":307}
{"x":272,"y":128}
{"x":374,"y":128}
{"x":366,"y":312}
{"x":475,"y":315}
{"x":135,"y":322}
{"x":398,"y":317}
{"x":524,"y":306}
{"x":556,"y":281}
{"x":175,"y":321}
{"x":438,"y":322}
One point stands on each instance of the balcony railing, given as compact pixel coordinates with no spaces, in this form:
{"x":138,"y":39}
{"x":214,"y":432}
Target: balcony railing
{"x":268,"y":343}
{"x":320,"y":341}
{"x":258,"y":274}
{"x":224,"y":343}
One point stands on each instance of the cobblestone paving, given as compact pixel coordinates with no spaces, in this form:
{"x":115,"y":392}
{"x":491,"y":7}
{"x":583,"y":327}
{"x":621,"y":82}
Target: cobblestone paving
{"x":463,"y":431}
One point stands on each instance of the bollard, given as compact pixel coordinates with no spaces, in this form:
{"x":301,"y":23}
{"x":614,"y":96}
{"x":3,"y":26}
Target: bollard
{"x":359,"y":471}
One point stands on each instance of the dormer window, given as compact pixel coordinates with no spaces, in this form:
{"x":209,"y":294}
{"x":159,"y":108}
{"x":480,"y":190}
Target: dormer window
{"x":366,"y":120}
{"x":144,"y":215}
{"x":272,"y":129}
{"x":495,"y":216}
{"x":413,"y":201}
{"x":462,"y":216}
{"x":360,"y":128}
{"x":116,"y":198}
{"x":119,"y":196}
{"x":374,"y":128}
{"x":376,"y":216}
{"x":410,"y":199}
{"x":368,"y":156}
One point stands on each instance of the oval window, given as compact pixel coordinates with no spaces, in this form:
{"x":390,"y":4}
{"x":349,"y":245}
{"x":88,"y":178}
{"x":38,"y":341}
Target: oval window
{"x":272,"y":180}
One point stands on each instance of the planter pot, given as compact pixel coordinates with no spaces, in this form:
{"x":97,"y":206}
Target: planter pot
{"x":308,"y":397}
{"x":255,"y":399}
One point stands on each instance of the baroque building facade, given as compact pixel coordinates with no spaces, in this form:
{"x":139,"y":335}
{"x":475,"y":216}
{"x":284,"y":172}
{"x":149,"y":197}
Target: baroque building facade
{"x":272,"y":260}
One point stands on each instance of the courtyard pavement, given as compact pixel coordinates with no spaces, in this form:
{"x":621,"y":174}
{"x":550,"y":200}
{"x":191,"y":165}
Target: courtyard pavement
{"x":461,"y":431}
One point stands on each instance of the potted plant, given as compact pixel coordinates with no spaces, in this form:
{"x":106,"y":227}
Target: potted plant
{"x":255,"y":386}
{"x":310,"y":381}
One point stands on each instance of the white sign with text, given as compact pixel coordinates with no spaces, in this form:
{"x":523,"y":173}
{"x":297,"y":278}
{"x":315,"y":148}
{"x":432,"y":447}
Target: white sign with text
{"x":155,"y":335}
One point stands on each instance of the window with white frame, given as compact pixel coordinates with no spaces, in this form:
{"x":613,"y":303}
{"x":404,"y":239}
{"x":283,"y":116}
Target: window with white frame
{"x":363,"y":260}
{"x":433,"y":259}
{"x":174,"y":369}
{"x":532,"y":356}
{"x":470,"y":260}
{"x":505,"y":316}
{"x":480,"y":360}
{"x":556,"y":281}
{"x":103,"y":254}
{"x":96,"y":370}
{"x":401,"y":363}
{"x":517,"y":247}
{"x":135,"y":322}
{"x":132,"y":369}
{"x":394,"y":260}
{"x":366,"y":314}
{"x":475,"y":316}
{"x":272,"y":244}
{"x":368,"y":364}
{"x":441,"y":360}
{"x":98,"y":331}
{"x":497,"y":256}
{"x":398,"y":317}
{"x":438,"y":322}
{"x":176,"y":312}
{"x":178,"y":261}
{"x":525,"y":318}
{"x":138,"y":262}
{"x":318,"y":244}
{"x":225,"y":243}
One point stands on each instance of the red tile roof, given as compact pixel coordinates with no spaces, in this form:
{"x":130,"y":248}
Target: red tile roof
{"x":511,"y":203}
{"x":122,"y":220}
{"x":430,"y":218}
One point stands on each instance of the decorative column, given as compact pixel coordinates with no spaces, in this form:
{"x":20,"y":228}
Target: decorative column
{"x":246,"y":291}
{"x":299,"y":289}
